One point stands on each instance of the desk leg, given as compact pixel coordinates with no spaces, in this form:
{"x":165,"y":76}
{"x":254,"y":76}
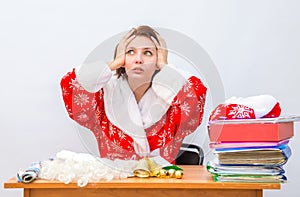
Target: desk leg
{"x":26,"y":192}
{"x":259,"y":193}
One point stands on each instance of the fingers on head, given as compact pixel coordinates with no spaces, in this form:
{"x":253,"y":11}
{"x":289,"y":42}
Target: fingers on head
{"x":155,"y":42}
{"x":161,"y":42}
{"x":130,"y":33}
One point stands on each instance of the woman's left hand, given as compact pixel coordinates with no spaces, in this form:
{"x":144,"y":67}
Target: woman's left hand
{"x":162,"y":51}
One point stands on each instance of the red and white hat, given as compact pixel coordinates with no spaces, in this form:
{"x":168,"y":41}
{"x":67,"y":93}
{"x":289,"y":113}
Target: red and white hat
{"x":262,"y":106}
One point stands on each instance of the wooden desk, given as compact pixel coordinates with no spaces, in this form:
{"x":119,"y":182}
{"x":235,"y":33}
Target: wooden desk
{"x":196,"y":182}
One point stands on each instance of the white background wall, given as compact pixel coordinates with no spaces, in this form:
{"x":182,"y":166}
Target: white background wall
{"x":254,"y":44}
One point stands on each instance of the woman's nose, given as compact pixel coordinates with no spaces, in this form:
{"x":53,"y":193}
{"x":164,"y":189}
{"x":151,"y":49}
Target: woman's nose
{"x":139,"y":58}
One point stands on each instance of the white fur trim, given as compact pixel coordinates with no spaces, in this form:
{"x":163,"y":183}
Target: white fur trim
{"x":122,"y":110}
{"x":152,"y":108}
{"x":261,"y":104}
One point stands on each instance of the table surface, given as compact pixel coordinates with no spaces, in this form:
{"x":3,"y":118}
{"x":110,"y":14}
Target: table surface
{"x":194,"y":177}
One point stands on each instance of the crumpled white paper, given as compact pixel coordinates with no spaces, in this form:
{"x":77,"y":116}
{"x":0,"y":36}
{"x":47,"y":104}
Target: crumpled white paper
{"x":69,"y":166}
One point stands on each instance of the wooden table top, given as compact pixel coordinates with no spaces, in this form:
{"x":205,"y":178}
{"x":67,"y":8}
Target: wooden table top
{"x":194,"y":177}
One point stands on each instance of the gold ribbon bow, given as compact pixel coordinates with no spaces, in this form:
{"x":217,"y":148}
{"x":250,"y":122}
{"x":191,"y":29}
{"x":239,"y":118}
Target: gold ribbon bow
{"x":147,"y":167}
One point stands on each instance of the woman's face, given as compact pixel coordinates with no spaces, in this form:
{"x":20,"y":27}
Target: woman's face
{"x":141,"y":58}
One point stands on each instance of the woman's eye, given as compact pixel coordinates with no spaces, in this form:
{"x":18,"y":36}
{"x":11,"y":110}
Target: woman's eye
{"x":148,"y":53}
{"x":130,"y":52}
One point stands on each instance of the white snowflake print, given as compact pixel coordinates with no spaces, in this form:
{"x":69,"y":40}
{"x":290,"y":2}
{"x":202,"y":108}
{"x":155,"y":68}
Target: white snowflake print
{"x":216,"y":113}
{"x":200,"y":104}
{"x":130,"y":144}
{"x":166,"y":152}
{"x":190,"y":94}
{"x":81,"y":99}
{"x":75,"y":85}
{"x":94,"y":103}
{"x":185,"y":108}
{"x":240,"y":111}
{"x":114,"y":155}
{"x":161,"y":141}
{"x":99,"y":114}
{"x":116,"y":145}
{"x":168,"y":135}
{"x":187,"y":132}
{"x":69,"y":109}
{"x":101,"y":94}
{"x":111,"y":130}
{"x":162,"y":138}
{"x":176,"y":101}
{"x":187,"y":86}
{"x":178,"y":138}
{"x":122,"y":135}
{"x":83,"y":117}
{"x":158,"y":126}
{"x":102,"y":145}
{"x":65,"y":92}
{"x":103,"y":126}
{"x":192,"y":122}
{"x":154,"y":130}
{"x":107,"y":144}
{"x":98,"y":137}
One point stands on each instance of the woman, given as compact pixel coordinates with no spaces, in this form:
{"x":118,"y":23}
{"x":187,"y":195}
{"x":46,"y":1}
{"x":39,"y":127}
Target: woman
{"x":145,"y":109}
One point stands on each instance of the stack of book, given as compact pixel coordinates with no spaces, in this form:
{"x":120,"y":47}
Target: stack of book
{"x":250,"y":150}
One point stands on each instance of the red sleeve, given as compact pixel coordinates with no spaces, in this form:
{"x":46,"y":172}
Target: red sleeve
{"x":190,"y":102}
{"x":186,"y":114}
{"x":80,"y":104}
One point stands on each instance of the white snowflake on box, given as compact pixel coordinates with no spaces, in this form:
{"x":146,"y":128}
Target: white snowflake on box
{"x":240,"y":111}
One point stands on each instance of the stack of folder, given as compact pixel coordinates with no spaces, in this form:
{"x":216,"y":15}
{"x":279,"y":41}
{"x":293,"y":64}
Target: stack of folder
{"x":250,"y":150}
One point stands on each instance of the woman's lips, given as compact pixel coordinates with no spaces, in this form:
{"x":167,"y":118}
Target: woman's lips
{"x":138,"y":70}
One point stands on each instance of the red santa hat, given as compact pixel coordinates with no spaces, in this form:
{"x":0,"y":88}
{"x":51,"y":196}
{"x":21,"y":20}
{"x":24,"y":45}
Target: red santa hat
{"x":262,"y":106}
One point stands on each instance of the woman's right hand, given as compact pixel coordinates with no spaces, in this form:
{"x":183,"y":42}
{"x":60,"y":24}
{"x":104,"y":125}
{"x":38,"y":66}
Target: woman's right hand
{"x":119,"y":60}
{"x":162,"y":51}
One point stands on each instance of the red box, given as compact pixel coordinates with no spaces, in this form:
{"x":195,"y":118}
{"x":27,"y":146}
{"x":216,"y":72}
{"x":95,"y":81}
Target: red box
{"x":250,"y":132}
